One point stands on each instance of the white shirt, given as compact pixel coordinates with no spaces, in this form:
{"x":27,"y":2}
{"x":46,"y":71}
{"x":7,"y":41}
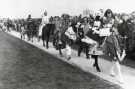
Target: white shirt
{"x":97,"y":23}
{"x":45,"y":20}
{"x":70,"y":33}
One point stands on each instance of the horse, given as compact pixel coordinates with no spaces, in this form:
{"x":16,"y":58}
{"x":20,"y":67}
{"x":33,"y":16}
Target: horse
{"x":31,"y":30}
{"x":47,"y":31}
{"x":64,"y":37}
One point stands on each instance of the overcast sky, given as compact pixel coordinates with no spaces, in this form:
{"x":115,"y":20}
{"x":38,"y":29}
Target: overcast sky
{"x":21,"y":8}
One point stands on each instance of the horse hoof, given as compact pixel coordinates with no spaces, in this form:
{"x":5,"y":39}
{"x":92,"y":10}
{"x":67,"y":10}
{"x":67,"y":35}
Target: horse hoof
{"x":88,"y":57}
{"x":61,"y":55}
{"x":98,"y":69}
{"x":68,"y":58}
{"x":94,"y":65}
{"x":47,"y":47}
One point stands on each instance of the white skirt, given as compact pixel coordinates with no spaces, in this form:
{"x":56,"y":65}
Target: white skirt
{"x":40,"y":30}
{"x":105,"y":32}
{"x":88,"y":40}
{"x":95,"y":51}
{"x":68,"y":50}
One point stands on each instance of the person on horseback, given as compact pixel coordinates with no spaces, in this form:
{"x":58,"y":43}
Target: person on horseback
{"x":94,"y":34}
{"x":29,"y":26}
{"x":45,"y":20}
{"x":71,"y":37}
{"x":45,"y":30}
{"x":85,"y":26}
{"x":57,"y":31}
{"x":113,"y":48}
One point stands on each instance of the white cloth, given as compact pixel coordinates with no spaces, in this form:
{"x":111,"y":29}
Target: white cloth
{"x":70,"y":33}
{"x":45,"y":20}
{"x":96,"y":26}
{"x":95,"y":51}
{"x":40,"y":30}
{"x":105,"y":32}
{"x":68,"y":50}
{"x":88,"y":40}
{"x":97,"y":23}
{"x":22,"y":29}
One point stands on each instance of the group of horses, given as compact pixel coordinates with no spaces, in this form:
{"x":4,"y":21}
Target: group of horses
{"x":59,"y":39}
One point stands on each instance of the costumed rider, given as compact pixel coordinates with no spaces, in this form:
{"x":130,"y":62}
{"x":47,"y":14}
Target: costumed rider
{"x":71,"y":37}
{"x":57,"y":31}
{"x":113,"y":48}
{"x":29,"y":26}
{"x":94,"y":50}
{"x":85,"y":41}
{"x":45,"y":20}
{"x":86,"y":28}
{"x":107,"y":23}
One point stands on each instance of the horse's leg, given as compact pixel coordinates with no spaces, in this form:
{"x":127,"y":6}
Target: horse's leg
{"x":28,"y":35}
{"x":38,"y":38}
{"x":21,"y":36}
{"x":47,"y":41}
{"x":43,"y":42}
{"x":24,"y":36}
{"x":55,"y":38}
{"x":60,"y":52}
{"x":68,"y":52}
{"x":32,"y":36}
{"x":80,"y":49}
{"x":54,"y":42}
{"x":96,"y":63}
{"x":87,"y":51}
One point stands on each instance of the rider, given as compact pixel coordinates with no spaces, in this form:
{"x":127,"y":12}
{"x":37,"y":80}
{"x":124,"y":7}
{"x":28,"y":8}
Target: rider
{"x":107,"y":22}
{"x":85,"y":26}
{"x":45,"y":20}
{"x":94,"y":35}
{"x":57,"y":30}
{"x":29,"y":26}
{"x":71,"y":36}
{"x":113,"y":48}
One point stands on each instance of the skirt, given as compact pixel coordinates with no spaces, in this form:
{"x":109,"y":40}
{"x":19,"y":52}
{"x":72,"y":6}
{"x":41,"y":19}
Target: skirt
{"x":88,"y":40}
{"x":104,"y":32}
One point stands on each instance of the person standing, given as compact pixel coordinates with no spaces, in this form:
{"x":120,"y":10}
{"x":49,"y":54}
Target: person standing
{"x":112,"y":46}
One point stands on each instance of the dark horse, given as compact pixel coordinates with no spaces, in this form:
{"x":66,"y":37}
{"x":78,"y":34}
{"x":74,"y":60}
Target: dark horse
{"x":31,"y":30}
{"x":47,"y":31}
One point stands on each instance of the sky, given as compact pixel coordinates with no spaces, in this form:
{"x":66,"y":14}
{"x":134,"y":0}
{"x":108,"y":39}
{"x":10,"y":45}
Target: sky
{"x":21,"y":8}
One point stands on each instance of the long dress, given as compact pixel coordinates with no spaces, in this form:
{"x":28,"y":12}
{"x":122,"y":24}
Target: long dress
{"x":87,"y":39}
